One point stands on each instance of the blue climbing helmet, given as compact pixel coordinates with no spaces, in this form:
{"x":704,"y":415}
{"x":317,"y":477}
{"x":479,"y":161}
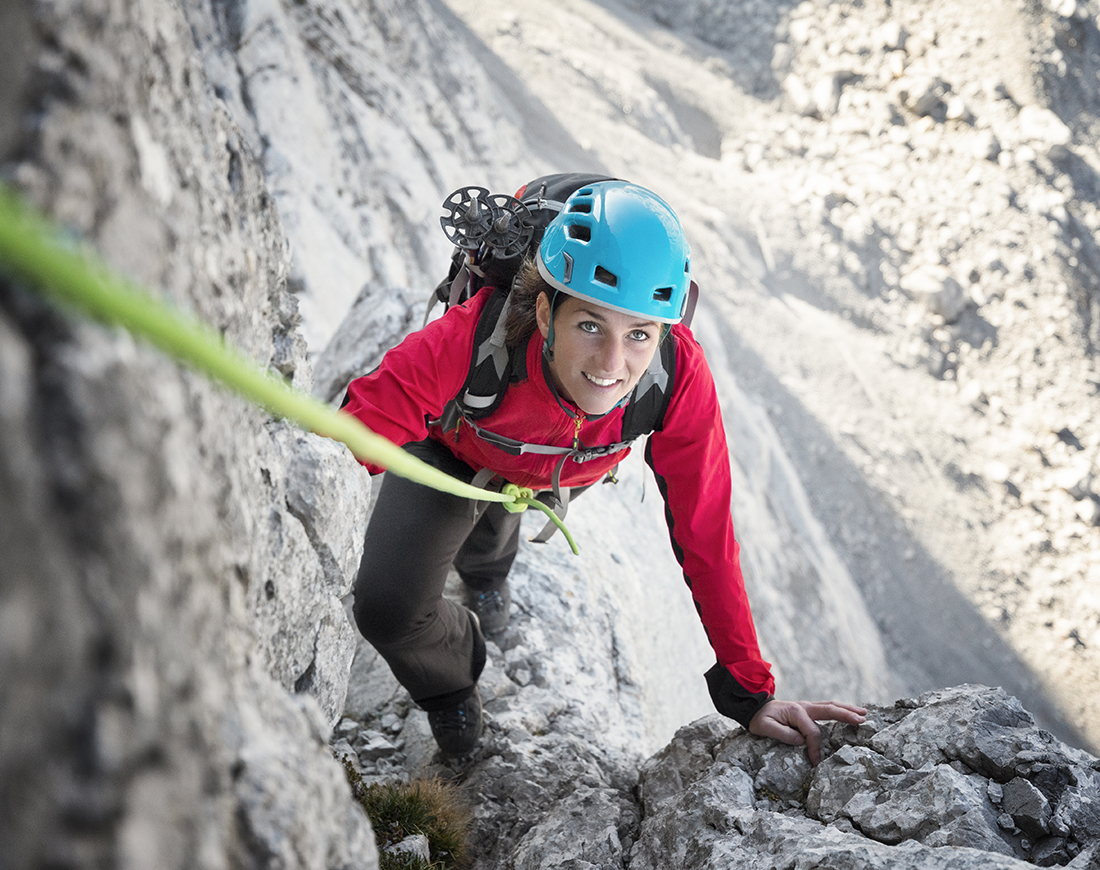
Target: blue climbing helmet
{"x":621,"y":246}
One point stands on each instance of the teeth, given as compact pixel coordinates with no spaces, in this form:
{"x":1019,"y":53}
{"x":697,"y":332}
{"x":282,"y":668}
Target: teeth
{"x":600,"y":382}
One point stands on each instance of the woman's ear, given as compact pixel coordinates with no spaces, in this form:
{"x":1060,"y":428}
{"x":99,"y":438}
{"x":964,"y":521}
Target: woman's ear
{"x":543,"y":315}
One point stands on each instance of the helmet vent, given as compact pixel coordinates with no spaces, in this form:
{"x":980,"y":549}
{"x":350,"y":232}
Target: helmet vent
{"x":582,"y":207}
{"x":580,"y":231}
{"x":605,"y":277}
{"x":662,"y":294}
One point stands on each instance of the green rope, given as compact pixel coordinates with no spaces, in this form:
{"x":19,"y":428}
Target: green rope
{"x":524,"y":498}
{"x":32,"y":252}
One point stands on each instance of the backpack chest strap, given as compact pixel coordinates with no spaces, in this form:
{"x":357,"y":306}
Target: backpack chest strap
{"x":519,"y":448}
{"x":577,"y":454}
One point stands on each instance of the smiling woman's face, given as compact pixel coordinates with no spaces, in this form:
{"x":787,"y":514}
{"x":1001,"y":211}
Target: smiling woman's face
{"x":599,"y":354}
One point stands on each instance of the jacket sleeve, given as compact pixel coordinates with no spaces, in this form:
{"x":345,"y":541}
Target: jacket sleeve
{"x":690,"y":460}
{"x":416,"y":379}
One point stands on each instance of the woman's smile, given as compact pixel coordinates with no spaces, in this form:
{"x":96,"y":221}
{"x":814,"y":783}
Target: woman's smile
{"x":601,"y":382}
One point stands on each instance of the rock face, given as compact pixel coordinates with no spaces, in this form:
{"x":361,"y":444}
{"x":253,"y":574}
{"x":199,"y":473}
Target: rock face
{"x":553,"y":777}
{"x":959,"y":778}
{"x":173,"y":647}
{"x":172,"y":643}
{"x":363,"y":117}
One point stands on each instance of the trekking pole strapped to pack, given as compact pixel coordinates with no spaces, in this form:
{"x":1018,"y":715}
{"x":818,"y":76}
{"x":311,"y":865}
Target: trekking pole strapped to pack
{"x":492,"y":233}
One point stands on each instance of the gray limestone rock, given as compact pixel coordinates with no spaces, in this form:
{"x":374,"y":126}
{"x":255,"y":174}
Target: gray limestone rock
{"x":906,"y":789}
{"x":879,"y":799}
{"x":158,"y":708}
{"x":783,"y":776}
{"x":579,"y":832}
{"x":936,"y":288}
{"x":362,"y":125}
{"x":416,"y":846}
{"x":685,"y":759}
{"x":1029,"y":807}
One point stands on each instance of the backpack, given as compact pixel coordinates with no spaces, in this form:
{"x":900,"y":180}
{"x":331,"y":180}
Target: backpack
{"x":492,"y":236}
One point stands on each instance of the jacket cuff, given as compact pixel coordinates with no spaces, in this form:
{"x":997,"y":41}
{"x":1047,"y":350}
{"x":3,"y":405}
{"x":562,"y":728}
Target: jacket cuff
{"x":731,"y":698}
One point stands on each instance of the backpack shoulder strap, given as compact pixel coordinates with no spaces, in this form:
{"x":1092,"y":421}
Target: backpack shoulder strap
{"x":648,"y":402}
{"x":493,"y":365}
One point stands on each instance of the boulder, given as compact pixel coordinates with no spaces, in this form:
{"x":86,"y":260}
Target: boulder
{"x":956,"y":778}
{"x":937,"y":289}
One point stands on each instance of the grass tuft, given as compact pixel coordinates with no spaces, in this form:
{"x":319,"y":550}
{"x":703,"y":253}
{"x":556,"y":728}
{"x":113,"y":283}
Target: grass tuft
{"x":430,"y":807}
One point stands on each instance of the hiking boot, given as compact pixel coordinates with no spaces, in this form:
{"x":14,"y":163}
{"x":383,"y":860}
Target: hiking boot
{"x":457,"y":729}
{"x":492,"y":607}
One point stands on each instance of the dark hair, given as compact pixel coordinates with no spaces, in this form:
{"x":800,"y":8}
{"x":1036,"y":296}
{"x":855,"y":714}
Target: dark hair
{"x":526,"y":288}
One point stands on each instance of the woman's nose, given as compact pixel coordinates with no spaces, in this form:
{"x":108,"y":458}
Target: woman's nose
{"x":611,"y":356}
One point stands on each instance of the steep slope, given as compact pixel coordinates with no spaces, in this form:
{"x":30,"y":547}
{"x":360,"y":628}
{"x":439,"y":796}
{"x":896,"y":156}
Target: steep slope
{"x":892,"y":208}
{"x":172,"y":648}
{"x":363,"y":116}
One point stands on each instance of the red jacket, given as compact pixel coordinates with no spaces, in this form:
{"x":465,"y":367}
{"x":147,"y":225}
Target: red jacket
{"x":688,"y":455}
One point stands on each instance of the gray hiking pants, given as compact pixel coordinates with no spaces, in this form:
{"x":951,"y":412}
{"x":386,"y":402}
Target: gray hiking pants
{"x":415,"y":534}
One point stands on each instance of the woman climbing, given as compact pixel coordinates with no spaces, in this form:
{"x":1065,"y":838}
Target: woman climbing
{"x":589,"y":334}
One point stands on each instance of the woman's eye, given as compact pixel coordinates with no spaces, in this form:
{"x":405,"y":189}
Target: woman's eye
{"x":589,"y":326}
{"x":640,"y":335}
